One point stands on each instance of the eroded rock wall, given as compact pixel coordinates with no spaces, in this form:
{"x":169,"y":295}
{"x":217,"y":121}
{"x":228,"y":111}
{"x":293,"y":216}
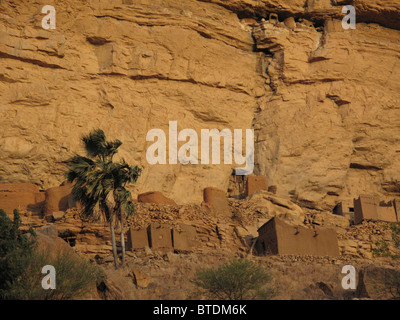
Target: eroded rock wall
{"x":324,"y":102}
{"x":331,"y":128}
{"x":126,"y":67}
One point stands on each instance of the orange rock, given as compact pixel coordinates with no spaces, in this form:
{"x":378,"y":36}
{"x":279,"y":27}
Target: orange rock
{"x":249,"y":22}
{"x":155,"y":197}
{"x":313,"y":126}
{"x":49,"y":242}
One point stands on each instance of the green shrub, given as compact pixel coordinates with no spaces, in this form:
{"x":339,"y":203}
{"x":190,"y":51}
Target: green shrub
{"x":391,"y":284}
{"x":75,"y":277}
{"x":382,"y":247}
{"x":15,"y":251}
{"x":237,"y":280}
{"x":21,"y":263}
{"x":395,"y":227}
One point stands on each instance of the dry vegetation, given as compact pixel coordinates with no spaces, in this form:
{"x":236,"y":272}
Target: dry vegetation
{"x":169,"y":275}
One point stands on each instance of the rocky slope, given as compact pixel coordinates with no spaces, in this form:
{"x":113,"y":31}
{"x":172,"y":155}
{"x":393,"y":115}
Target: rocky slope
{"x":324,"y":102}
{"x":235,"y":233}
{"x":153,"y":273}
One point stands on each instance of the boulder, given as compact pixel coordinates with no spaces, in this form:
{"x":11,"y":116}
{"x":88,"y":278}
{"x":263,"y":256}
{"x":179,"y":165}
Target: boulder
{"x":155,"y":197}
{"x":275,"y":206}
{"x":249,"y":22}
{"x":290,"y":23}
{"x":48,"y":230}
{"x":321,"y":289}
{"x":55,"y":216}
{"x":331,"y":220}
{"x":116,"y":285}
{"x":378,"y":282}
{"x":49,"y":242}
{"x":140,"y":278}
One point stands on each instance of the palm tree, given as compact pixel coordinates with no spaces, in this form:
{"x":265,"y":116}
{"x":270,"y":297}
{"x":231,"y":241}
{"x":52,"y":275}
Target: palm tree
{"x":100,"y":184}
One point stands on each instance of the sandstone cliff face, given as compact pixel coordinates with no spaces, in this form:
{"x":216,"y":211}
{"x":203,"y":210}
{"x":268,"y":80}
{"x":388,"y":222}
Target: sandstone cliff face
{"x":330,"y":129}
{"x":126,"y":68}
{"x":324,"y":102}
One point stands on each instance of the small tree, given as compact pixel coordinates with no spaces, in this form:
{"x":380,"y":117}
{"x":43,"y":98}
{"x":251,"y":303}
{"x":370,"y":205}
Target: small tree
{"x":383,"y":247}
{"x":237,"y":280}
{"x":15,"y":251}
{"x":390,"y":283}
{"x":21,"y":262}
{"x":99,"y":184}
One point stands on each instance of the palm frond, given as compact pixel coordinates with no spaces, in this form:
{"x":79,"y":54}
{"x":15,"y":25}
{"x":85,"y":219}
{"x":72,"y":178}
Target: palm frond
{"x":95,"y":143}
{"x":78,"y":167}
{"x":111,"y":148}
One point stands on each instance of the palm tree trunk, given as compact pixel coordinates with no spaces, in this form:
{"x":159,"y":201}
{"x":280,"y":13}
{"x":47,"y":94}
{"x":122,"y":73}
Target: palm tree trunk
{"x":114,"y":244}
{"x":122,"y":239}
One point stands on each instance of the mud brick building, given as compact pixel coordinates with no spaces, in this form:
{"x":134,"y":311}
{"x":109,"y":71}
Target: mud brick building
{"x":215,"y":200}
{"x":160,"y":236}
{"x":368,"y":207}
{"x":255,"y":183}
{"x":137,"y":239}
{"x":163,"y":237}
{"x":278,"y":237}
{"x":344,"y":210}
{"x":22,"y":196}
{"x":184,"y":237}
